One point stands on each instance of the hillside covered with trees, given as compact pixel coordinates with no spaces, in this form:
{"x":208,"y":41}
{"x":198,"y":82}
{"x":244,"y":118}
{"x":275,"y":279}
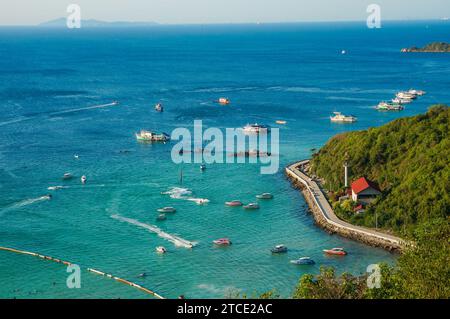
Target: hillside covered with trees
{"x":409,"y":160}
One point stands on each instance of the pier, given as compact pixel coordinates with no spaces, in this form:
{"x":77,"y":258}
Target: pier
{"x":91,"y":270}
{"x":326,"y":218}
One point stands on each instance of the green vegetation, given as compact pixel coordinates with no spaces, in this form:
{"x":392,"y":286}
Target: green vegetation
{"x":422,"y":272}
{"x":432,"y":47}
{"x":408,"y":158}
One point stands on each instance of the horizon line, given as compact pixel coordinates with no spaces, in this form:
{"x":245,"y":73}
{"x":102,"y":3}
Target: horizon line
{"x":155,"y":23}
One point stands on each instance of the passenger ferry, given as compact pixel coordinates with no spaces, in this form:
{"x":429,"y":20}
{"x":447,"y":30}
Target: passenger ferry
{"x":339,"y":117}
{"x":256,"y":128}
{"x":147,"y":136}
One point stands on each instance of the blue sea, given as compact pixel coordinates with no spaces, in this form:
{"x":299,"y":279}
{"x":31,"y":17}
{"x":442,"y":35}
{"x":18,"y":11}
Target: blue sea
{"x":49,"y":80}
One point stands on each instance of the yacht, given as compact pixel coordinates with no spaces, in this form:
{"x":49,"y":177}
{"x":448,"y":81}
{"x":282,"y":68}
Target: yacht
{"x":398,"y":100}
{"x":256,"y":128}
{"x":406,"y":95}
{"x":416,"y":92}
{"x":147,"y":136}
{"x":383,"y":106}
{"x":339,"y":117}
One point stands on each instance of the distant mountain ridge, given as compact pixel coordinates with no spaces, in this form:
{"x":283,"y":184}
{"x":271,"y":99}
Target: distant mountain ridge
{"x":93,"y":23}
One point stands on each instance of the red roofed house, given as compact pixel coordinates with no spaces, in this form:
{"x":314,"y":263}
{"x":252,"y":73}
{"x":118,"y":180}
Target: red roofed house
{"x":364,"y":191}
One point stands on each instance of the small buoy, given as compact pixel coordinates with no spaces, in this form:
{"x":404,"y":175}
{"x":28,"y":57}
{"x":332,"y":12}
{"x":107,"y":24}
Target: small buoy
{"x":343,"y":52}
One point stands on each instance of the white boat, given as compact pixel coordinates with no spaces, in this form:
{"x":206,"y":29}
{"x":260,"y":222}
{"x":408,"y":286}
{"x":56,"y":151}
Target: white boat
{"x":406,"y":95}
{"x":264,"y":196}
{"x":166,"y":210}
{"x":383,"y":106}
{"x":224,"y":101}
{"x":256,"y":128}
{"x":159,"y":107}
{"x":161,"y":250}
{"x":278,"y":249}
{"x":339,"y":117}
{"x":83,"y":179}
{"x":147,"y":136}
{"x":67,"y":176}
{"x":416,"y":92}
{"x":398,"y":100}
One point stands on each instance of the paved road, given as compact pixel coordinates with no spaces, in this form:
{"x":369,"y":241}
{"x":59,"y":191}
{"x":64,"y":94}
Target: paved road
{"x":326,"y":210}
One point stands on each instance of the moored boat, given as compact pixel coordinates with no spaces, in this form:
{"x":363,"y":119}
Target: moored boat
{"x":222,"y":242}
{"x":166,"y":210}
{"x":256,"y":128}
{"x":161,"y":217}
{"x":234,"y":203}
{"x":264,"y":196}
{"x":335,"y":251}
{"x":303,"y":261}
{"x":224,"y":101}
{"x":147,"y":136}
{"x":67,"y":176}
{"x":341,"y":118}
{"x":251,"y":206}
{"x":278,"y":249}
{"x":161,"y":250}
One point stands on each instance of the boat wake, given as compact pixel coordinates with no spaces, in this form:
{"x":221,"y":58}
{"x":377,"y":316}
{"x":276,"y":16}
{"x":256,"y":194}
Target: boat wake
{"x":184,"y":193}
{"x":177,"y":241}
{"x":25,"y":202}
{"x":83,"y":108}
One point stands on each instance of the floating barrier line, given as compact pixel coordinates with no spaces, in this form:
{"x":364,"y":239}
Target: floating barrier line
{"x":98,"y":272}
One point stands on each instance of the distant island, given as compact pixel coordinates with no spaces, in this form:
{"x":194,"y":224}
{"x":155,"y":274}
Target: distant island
{"x":432,"y":47}
{"x":92,"y":23}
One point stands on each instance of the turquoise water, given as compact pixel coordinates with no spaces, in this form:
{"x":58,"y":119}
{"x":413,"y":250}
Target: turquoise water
{"x":270,"y":72}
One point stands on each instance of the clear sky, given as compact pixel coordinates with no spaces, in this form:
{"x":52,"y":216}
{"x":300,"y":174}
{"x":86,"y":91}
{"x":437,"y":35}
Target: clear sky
{"x":30,"y":12}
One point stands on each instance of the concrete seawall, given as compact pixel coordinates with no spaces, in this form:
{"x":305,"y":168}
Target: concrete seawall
{"x":324,"y":215}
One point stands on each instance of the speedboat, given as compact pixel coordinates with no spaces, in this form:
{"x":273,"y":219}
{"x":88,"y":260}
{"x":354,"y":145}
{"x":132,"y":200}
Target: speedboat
{"x":67,"y":176}
{"x":83,"y":179}
{"x":224,"y":101}
{"x":161,"y":250}
{"x":264,"y":196}
{"x":256,"y":128}
{"x":251,"y":206}
{"x":159,"y":107}
{"x":143,"y":275}
{"x":222,"y":242}
{"x":166,"y":210}
{"x":234,"y":203}
{"x":161,"y":217}
{"x":147,"y":136}
{"x":335,"y":251}
{"x":115,"y":102}
{"x":278,"y":249}
{"x":303,"y":261}
{"x":341,"y":118}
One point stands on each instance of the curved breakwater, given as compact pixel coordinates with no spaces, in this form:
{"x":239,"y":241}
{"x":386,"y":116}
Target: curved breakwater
{"x":177,"y":241}
{"x":98,"y":272}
